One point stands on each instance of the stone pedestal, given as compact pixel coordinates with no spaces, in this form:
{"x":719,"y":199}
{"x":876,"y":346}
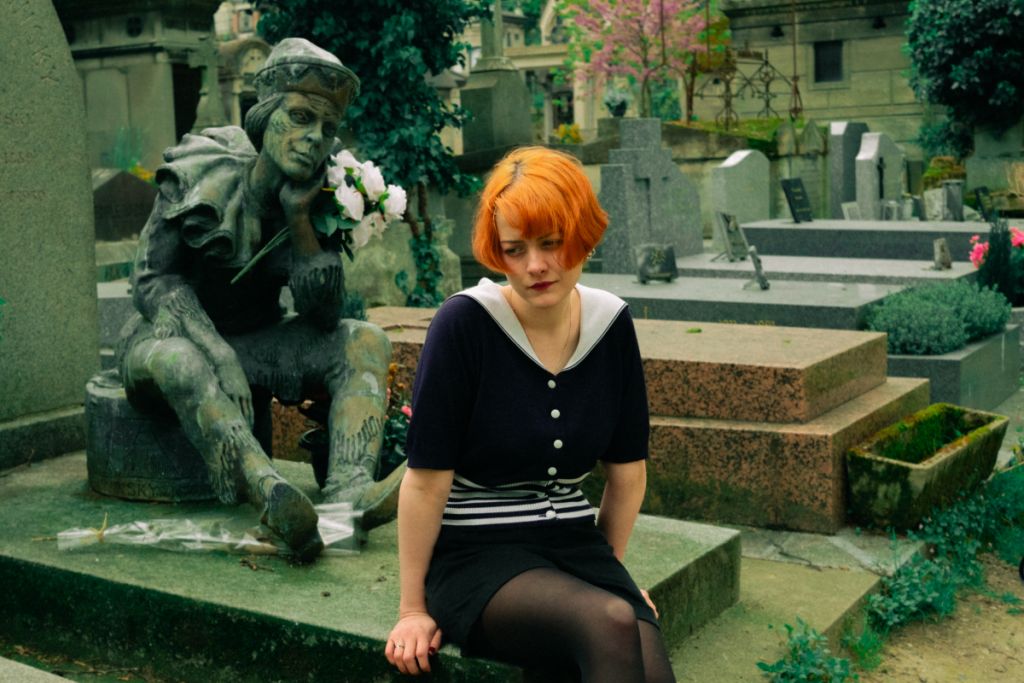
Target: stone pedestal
{"x":992,"y":163}
{"x":500,"y":103}
{"x":138,"y":456}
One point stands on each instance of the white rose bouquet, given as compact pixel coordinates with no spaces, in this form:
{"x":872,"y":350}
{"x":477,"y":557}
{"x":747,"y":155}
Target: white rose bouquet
{"x":363,"y":205}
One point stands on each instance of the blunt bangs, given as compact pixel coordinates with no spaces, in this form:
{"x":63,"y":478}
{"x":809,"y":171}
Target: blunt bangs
{"x":539,"y":191}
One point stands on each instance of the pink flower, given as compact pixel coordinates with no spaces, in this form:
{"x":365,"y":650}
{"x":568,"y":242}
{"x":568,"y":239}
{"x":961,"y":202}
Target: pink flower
{"x":1016,"y":237}
{"x":975,"y":239}
{"x":978,"y":254}
{"x":407,"y":411}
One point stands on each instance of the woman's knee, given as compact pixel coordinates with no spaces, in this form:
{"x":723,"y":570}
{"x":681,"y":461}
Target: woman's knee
{"x":614,"y":621}
{"x":177,"y":366}
{"x":367,"y":347}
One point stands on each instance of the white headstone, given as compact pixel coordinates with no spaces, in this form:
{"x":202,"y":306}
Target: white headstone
{"x":843,"y":145}
{"x":741,"y":186}
{"x":879,"y":169}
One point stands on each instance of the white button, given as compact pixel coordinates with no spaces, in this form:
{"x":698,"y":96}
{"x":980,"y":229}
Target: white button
{"x":558,"y":443}
{"x":551,"y":384}
{"x":556,"y":413}
{"x":549,"y":514}
{"x":552,"y":471}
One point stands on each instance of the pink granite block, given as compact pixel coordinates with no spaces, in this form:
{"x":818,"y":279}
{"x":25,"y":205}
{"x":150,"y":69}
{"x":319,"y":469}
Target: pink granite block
{"x":764,"y":474}
{"x":753,"y":372}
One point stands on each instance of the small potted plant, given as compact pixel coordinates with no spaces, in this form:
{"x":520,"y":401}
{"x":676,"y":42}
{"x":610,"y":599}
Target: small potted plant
{"x":616,"y":100}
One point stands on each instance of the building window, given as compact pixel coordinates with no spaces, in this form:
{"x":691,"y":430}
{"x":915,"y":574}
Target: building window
{"x":828,"y":61}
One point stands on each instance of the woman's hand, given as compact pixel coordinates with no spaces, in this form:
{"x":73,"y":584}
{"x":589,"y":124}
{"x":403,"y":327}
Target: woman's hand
{"x":650,"y":603}
{"x":413,"y":639}
{"x":297,"y":198}
{"x":235,"y":384}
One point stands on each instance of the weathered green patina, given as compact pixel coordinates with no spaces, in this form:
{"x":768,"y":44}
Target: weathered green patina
{"x":921,"y":462}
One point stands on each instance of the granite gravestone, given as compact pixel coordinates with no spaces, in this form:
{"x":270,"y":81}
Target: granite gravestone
{"x":953,"y":200}
{"x":740,"y":187}
{"x":647,"y":197}
{"x":879,"y":172}
{"x":812,"y":142}
{"x":49,"y":343}
{"x":843,"y":145}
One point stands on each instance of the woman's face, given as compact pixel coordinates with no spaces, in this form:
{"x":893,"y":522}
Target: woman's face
{"x":532,"y":265}
{"x":300,"y":134}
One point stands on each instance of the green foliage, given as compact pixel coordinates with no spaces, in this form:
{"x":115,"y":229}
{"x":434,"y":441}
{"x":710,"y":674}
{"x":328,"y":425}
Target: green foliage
{"x":127,"y":149}
{"x":1003,"y":267}
{"x":914,"y":441}
{"x":866,"y":648}
{"x":938,"y":318}
{"x":990,"y":519}
{"x":665,"y":100}
{"x":424,"y":293}
{"x":393,"y":46}
{"x":945,"y":138}
{"x":807,"y":658}
{"x":354,"y":307}
{"x":966,"y":55}
{"x":396,"y":425}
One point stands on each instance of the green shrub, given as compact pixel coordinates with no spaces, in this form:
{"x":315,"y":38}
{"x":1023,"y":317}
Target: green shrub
{"x":917,"y":327}
{"x":808,"y":658}
{"x":939,"y":318}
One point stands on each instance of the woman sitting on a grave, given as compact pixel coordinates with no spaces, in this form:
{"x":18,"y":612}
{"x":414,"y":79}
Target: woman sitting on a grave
{"x":216,"y":351}
{"x":520,"y":389}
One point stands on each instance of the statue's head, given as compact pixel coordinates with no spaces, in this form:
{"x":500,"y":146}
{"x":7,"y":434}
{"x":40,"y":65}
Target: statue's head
{"x":302,"y":92}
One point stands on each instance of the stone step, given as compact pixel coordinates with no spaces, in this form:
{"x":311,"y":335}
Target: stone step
{"x":823,"y":269}
{"x":831,"y":305}
{"x":769,"y":475}
{"x":862,"y":239}
{"x":713,"y":370}
{"x":219,"y":617}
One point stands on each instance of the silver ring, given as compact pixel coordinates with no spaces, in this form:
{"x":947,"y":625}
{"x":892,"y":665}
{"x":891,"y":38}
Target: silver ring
{"x":399,"y":645}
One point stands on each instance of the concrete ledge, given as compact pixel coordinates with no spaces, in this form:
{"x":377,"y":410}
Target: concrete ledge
{"x":981,"y":375}
{"x":781,"y":476}
{"x":207,"y":616}
{"x":42,"y":435}
{"x":15,"y":672}
{"x":713,"y":370}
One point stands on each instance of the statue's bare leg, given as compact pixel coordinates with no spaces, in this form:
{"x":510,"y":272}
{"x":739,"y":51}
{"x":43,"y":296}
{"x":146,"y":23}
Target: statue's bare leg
{"x":358,"y":391}
{"x":238,"y":467}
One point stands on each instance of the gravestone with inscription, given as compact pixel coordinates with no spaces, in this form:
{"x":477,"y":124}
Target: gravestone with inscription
{"x":741,"y":186}
{"x":797,"y":199}
{"x":647,"y":197}
{"x":49,"y":341}
{"x":879,"y":172}
{"x":843,"y":146}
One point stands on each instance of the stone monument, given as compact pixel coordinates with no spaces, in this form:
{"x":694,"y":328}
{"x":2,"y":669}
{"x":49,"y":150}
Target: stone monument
{"x":843,"y":145}
{"x":741,"y":186}
{"x":48,"y":336}
{"x":496,"y":95}
{"x":879,"y":173}
{"x":647,"y":197}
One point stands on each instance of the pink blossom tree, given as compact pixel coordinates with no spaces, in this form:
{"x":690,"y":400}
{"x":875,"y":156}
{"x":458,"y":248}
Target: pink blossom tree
{"x":643,"y":40}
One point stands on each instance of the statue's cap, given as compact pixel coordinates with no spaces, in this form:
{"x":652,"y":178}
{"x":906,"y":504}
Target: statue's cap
{"x":295,"y":64}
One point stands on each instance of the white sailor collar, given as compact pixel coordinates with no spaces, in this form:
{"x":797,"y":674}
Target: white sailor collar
{"x":598,"y":309}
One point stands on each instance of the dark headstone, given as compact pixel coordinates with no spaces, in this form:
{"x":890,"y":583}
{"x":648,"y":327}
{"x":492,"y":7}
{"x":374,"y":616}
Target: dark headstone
{"x":953,"y":196}
{"x":121,"y":203}
{"x":796,"y":197}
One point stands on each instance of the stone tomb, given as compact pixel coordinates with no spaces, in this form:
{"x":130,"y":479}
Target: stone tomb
{"x":864,"y":239}
{"x":48,"y":340}
{"x":121,"y":204}
{"x":879,"y":174}
{"x":749,"y":425}
{"x":844,"y":144}
{"x":648,"y":199}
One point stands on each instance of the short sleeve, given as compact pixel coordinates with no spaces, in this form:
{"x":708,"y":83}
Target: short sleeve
{"x":630,"y":438}
{"x":444,"y":390}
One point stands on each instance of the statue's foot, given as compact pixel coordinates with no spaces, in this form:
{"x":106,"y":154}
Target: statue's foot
{"x":379,"y":501}
{"x":290,"y":515}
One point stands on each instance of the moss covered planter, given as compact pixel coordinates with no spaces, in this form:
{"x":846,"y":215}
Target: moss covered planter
{"x":923,"y":461}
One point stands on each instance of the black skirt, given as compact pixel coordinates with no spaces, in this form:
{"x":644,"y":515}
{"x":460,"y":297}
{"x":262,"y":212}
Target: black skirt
{"x":469,"y":565}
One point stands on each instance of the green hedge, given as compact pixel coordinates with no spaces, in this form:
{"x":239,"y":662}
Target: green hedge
{"x":939,"y":318}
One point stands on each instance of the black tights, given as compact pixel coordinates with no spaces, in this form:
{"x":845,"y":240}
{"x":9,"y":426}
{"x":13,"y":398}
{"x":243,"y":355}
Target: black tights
{"x":544,"y":618}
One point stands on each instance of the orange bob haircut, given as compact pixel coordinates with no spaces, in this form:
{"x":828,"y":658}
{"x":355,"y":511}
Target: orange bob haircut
{"x":539,"y":191}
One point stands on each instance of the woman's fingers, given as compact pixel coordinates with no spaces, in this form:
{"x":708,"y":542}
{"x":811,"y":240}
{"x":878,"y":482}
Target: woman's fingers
{"x":650,"y":602}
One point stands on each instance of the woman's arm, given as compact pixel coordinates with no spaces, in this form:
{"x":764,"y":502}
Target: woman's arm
{"x":420,"y":507}
{"x":625,"y":485}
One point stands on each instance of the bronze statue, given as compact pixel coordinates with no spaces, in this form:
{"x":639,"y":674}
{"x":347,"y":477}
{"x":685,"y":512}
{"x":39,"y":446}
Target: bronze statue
{"x":215,"y":352}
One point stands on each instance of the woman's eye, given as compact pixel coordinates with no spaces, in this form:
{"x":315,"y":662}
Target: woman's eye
{"x":330,"y":130}
{"x":299,"y":116}
{"x":513,"y":251}
{"x":552,"y":244}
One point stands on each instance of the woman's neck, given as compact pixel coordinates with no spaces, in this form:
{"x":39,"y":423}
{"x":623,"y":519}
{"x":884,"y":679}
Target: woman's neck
{"x":553,"y":332}
{"x":265,"y":182}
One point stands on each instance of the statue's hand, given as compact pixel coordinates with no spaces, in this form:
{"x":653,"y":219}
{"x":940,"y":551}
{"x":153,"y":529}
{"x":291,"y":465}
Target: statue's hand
{"x":297,"y":198}
{"x":235,"y":384}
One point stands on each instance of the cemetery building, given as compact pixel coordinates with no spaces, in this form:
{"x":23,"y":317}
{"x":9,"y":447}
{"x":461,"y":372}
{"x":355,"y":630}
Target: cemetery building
{"x":848,"y":56}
